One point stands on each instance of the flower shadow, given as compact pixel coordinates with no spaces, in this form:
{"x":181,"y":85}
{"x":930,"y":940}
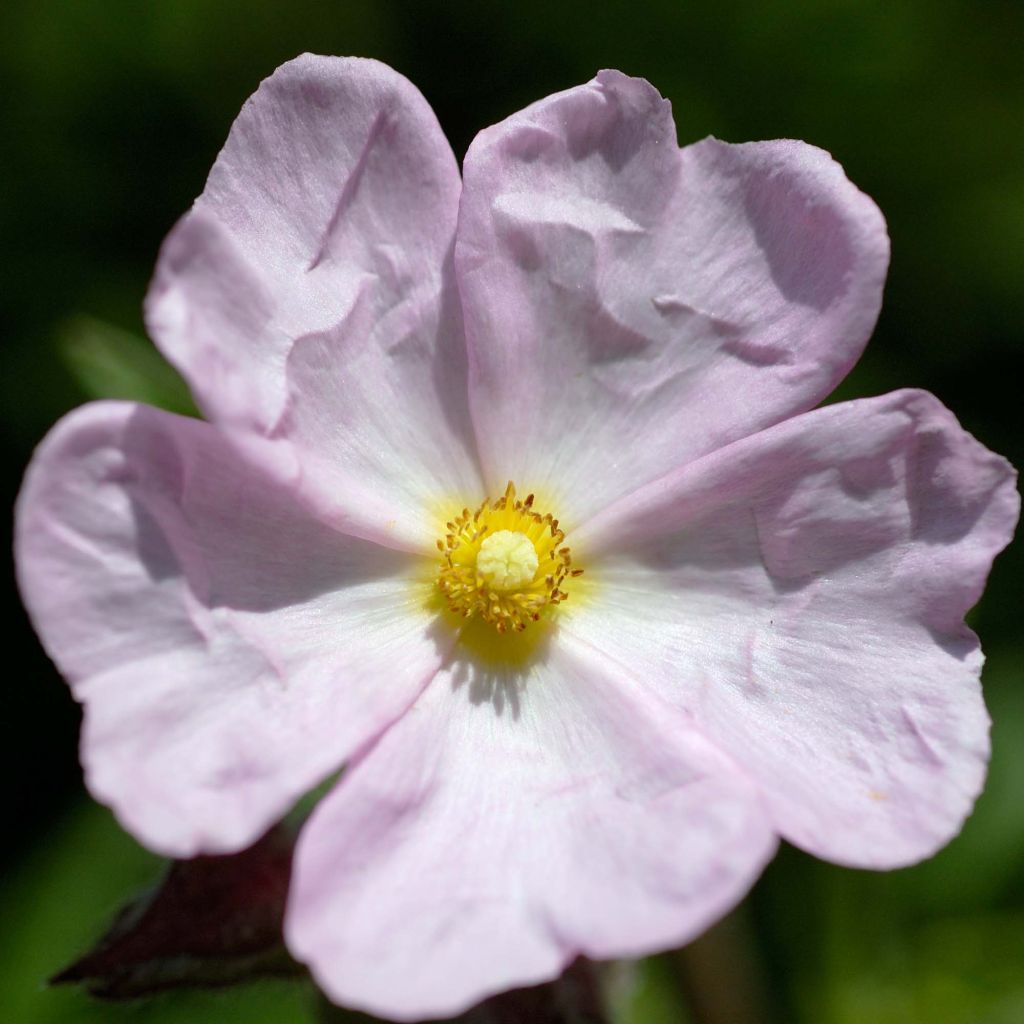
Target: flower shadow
{"x":494,"y":670}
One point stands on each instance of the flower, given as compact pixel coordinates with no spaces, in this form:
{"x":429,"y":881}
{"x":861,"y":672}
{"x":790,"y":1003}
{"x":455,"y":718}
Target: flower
{"x":595,"y":353}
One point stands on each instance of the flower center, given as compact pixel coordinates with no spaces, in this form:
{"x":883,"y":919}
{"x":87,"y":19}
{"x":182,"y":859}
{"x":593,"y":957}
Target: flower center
{"x":507,"y":560}
{"x":504,"y":562}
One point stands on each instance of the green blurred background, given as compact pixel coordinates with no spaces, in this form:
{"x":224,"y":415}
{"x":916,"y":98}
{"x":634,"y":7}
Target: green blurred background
{"x":112,"y":112}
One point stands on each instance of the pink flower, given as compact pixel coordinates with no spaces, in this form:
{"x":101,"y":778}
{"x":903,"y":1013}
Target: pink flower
{"x":768,"y":636}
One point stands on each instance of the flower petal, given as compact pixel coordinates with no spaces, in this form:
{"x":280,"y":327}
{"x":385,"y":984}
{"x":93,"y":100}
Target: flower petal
{"x":230,"y":651}
{"x":631,"y":306}
{"x":802,"y":594}
{"x":309,"y":292}
{"x":508,"y":823}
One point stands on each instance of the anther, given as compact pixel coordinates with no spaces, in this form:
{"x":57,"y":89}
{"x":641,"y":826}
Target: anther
{"x":504,"y":562}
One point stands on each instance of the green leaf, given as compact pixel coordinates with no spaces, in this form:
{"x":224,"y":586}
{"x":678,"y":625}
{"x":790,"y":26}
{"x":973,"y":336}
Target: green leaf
{"x":109,"y":362}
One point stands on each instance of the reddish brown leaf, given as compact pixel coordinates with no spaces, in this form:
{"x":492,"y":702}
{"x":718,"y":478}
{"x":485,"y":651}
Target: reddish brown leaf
{"x":211,"y":921}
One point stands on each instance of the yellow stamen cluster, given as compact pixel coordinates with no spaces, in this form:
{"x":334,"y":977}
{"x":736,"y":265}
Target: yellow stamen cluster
{"x":504,"y":562}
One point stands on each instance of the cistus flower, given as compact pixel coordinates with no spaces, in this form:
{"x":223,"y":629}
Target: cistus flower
{"x":509,"y":501}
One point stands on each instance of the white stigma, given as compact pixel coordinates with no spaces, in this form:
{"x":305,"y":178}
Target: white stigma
{"x":507,"y":560}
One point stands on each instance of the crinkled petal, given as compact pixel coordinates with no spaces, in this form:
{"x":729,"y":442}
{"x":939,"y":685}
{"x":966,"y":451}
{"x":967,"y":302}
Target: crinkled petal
{"x":509,"y":822}
{"x":230,"y":650}
{"x":630,"y":306}
{"x":801,"y":594}
{"x":309,"y":292}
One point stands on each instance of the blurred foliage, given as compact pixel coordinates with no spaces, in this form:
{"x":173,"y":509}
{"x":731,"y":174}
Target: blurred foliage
{"x":108,"y":362}
{"x":646,"y":992}
{"x":113,"y":113}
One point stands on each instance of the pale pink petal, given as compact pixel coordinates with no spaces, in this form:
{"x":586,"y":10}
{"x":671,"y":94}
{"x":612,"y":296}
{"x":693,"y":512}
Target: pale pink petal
{"x":309,"y":292}
{"x":509,"y":822}
{"x":230,"y":650}
{"x":801,"y":594}
{"x":631,"y":306}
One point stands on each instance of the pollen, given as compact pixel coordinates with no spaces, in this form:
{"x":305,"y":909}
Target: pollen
{"x":505,"y":563}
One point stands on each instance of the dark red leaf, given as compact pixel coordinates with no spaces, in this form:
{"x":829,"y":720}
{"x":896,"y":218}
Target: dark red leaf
{"x":211,"y":921}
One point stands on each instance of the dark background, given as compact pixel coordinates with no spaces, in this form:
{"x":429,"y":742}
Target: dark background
{"x":112,"y":112}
